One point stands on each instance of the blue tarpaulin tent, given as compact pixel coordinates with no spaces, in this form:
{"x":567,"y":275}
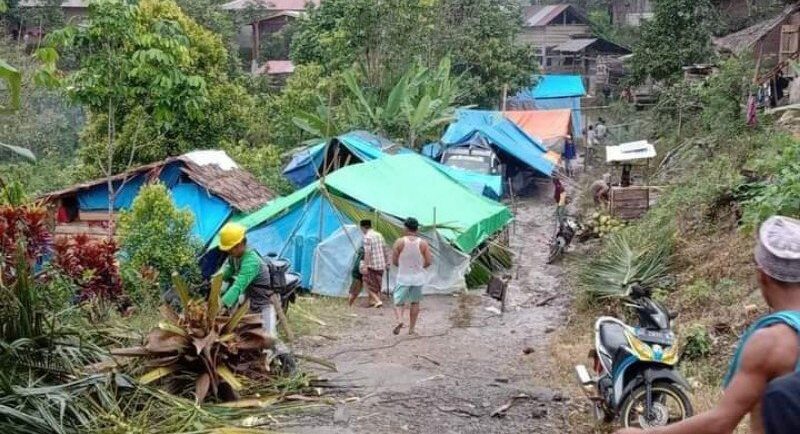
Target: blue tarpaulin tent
{"x":500,"y":132}
{"x":558,"y":92}
{"x":305,"y":165}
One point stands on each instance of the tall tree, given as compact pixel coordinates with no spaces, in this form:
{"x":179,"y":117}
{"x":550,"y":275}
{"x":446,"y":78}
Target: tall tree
{"x":154,"y":81}
{"x":387,"y":37}
{"x":678,"y":35}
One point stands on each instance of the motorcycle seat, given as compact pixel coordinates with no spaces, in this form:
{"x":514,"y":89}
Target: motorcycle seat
{"x":612,"y":338}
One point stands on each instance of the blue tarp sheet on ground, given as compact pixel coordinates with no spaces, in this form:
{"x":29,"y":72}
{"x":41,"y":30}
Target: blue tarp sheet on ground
{"x":210,"y":212}
{"x":558,"y":92}
{"x":501,"y":132}
{"x":295,"y":235}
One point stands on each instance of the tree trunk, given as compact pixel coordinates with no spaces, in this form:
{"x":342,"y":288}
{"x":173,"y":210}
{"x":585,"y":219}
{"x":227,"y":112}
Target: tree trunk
{"x":112,"y":194}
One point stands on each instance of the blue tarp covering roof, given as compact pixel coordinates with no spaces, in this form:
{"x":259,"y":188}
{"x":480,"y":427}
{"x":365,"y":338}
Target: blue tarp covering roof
{"x":304,"y":167}
{"x":500,"y":132}
{"x":306,"y":164}
{"x":558,"y":86}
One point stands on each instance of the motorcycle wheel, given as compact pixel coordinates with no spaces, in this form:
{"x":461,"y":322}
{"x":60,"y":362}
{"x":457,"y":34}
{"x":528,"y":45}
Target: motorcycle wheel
{"x":670,"y":405}
{"x":556,"y":249}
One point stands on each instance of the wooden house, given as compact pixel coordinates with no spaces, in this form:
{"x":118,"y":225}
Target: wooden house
{"x":563,"y":39}
{"x":208,"y":183}
{"x":271,"y":17}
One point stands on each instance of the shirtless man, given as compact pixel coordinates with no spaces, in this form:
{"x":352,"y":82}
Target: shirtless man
{"x":769,"y":349}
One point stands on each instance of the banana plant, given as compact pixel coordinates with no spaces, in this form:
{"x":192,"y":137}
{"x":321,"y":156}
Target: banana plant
{"x":421,"y":101}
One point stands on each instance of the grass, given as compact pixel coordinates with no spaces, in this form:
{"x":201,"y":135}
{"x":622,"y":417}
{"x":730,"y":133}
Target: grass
{"x":305,"y":315}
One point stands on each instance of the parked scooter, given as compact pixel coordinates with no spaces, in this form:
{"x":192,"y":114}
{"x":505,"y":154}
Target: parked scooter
{"x":282,"y":281}
{"x":566,"y":231}
{"x":636,"y":379}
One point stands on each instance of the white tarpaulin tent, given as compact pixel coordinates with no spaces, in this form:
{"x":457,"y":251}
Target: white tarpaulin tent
{"x":335,"y":257}
{"x":638,"y":150}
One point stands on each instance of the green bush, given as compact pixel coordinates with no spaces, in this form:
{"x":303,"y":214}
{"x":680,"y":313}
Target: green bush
{"x":156,"y":237}
{"x":780,"y":194}
{"x":698,"y":342}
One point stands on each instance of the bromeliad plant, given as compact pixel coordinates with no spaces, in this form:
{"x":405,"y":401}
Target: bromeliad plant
{"x":203,"y":348}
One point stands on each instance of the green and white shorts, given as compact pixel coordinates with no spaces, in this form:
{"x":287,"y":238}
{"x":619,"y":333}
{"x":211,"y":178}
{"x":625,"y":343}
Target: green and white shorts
{"x":407,"y":294}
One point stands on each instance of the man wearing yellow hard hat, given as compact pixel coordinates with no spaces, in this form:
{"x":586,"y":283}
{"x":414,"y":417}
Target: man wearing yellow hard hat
{"x":247,"y":275}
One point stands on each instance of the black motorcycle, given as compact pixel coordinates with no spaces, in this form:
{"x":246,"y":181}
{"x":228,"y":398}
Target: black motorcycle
{"x":565,"y":232}
{"x":636,"y":379}
{"x":282,"y":281}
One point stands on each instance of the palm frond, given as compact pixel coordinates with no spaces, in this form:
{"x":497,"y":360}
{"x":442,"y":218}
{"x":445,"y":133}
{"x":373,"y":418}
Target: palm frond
{"x":622,"y":262}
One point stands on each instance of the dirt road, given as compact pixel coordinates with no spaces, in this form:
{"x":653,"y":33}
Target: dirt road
{"x":466,"y":362}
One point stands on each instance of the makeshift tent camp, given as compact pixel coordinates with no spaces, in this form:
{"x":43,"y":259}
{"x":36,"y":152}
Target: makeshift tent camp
{"x":492,"y":128}
{"x":207,"y":183}
{"x":359,"y":146}
{"x":555,"y":92}
{"x":386,"y":189}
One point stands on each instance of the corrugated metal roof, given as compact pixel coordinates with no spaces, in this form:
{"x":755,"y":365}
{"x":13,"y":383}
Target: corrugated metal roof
{"x":64,"y":4}
{"x":276,"y":67}
{"x":574,"y":45}
{"x":273,"y":5}
{"x":542,"y":15}
{"x":742,"y":40}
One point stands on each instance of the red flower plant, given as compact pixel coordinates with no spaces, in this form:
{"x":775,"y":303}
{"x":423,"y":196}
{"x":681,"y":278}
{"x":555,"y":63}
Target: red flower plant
{"x":91,"y":264}
{"x":25,"y":224}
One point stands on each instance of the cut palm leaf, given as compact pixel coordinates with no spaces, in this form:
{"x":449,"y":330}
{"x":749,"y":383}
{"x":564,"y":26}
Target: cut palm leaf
{"x":229,"y":377}
{"x":157,"y":373}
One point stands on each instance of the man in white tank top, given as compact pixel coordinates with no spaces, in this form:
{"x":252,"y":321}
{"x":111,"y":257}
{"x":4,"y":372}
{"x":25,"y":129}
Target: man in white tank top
{"x":412,"y":256}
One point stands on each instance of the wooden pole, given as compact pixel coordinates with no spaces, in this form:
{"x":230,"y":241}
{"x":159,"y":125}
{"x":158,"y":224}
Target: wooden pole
{"x":276,"y":303}
{"x":505,"y":96}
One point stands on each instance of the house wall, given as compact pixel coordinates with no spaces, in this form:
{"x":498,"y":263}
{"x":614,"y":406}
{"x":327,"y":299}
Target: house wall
{"x":770,"y":44}
{"x":630,"y":12}
{"x":551,"y":35}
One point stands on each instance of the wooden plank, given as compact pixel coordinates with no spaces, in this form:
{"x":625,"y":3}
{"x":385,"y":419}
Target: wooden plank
{"x":95,"y":216}
{"x":75,"y":229}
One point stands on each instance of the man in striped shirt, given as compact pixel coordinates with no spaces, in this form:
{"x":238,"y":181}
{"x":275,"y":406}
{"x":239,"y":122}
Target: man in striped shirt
{"x":374,"y":262}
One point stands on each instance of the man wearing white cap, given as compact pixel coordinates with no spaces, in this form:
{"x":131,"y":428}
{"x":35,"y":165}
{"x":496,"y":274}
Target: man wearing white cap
{"x":769,"y":349}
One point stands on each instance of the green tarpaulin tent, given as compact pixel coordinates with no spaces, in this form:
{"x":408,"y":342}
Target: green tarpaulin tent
{"x":407,"y":186}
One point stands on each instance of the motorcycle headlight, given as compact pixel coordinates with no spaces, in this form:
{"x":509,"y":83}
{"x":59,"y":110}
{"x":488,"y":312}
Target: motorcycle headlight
{"x":671,"y":355}
{"x":640,"y":349}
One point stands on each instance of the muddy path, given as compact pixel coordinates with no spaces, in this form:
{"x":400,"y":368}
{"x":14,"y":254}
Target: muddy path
{"x":467,"y":361}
